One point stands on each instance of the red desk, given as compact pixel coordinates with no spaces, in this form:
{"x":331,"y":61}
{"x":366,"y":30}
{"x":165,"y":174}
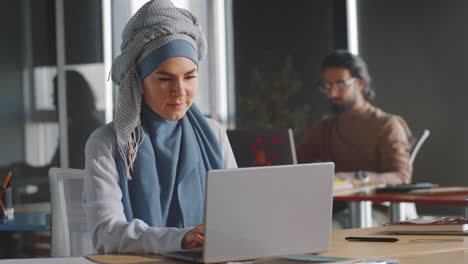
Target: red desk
{"x":360,"y":203}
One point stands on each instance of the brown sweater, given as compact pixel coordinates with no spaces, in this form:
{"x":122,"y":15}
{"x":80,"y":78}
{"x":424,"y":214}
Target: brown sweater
{"x":365,"y":139}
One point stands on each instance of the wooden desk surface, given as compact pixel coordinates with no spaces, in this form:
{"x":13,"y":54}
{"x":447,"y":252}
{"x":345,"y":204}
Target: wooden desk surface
{"x":446,"y":257}
{"x":407,"y":246}
{"x":132,"y":258}
{"x":453,"y":199}
{"x":410,"y":249}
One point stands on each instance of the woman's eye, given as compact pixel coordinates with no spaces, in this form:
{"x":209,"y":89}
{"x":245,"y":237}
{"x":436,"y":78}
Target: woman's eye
{"x":191,"y":77}
{"x":164,"y":79}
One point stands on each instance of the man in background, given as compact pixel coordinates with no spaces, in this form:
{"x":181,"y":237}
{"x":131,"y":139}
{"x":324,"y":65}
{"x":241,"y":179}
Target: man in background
{"x":367,"y":145}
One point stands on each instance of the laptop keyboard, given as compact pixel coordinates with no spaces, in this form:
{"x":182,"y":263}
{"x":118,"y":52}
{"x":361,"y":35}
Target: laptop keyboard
{"x":196,"y":254}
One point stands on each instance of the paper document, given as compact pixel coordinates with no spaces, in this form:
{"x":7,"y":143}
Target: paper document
{"x":310,"y":259}
{"x":440,"y":190}
{"x":73,"y":260}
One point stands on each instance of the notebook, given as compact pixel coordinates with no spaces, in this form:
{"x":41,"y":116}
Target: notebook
{"x":263,"y":147}
{"x":402,"y":188}
{"x":429,"y":225}
{"x":266,"y":211}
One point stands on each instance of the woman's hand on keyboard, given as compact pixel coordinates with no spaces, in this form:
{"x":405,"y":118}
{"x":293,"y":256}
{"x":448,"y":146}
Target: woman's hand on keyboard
{"x":194,"y":238}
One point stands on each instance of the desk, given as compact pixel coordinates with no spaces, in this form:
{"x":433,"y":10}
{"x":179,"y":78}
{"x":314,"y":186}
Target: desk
{"x":411,"y":249}
{"x":408,"y":246}
{"x":448,"y":257}
{"x":360,"y":203}
{"x":26,"y":221}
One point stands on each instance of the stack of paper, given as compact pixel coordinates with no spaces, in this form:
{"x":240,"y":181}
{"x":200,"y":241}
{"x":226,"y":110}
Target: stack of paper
{"x":429,"y":225}
{"x":309,"y":259}
{"x":441,"y":190}
{"x":340,"y":186}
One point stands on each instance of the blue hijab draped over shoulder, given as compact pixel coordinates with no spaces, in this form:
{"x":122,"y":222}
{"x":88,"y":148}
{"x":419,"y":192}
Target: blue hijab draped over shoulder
{"x":162,"y":163}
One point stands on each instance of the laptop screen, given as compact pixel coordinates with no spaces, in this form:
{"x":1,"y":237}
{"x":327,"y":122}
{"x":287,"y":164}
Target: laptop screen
{"x":263,"y":147}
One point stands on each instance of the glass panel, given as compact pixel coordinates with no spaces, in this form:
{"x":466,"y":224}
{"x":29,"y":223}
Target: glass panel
{"x":28,"y":105}
{"x":85,"y":107}
{"x":85,"y":74}
{"x":29,"y":130}
{"x":29,"y":116}
{"x":28,"y":113}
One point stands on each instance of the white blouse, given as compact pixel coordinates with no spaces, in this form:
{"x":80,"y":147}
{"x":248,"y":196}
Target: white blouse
{"x":102,"y":200}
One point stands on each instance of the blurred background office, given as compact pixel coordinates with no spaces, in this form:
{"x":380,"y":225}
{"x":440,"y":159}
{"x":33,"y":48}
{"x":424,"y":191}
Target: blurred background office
{"x":262,"y":72}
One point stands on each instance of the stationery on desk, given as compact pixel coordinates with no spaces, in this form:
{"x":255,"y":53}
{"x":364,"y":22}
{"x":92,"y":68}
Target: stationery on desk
{"x":341,"y":186}
{"x":6,"y":183}
{"x":401,"y":188}
{"x":2,"y":208}
{"x":440,"y":190}
{"x":310,"y":259}
{"x":420,"y":188}
{"x":69,"y":260}
{"x":430,"y":226}
{"x":372,"y":239}
{"x":4,"y":187}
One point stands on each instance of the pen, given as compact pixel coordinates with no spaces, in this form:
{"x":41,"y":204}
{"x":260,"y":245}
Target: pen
{"x":5,"y":184}
{"x":2,"y":208}
{"x":7,"y":180}
{"x":372,"y":239}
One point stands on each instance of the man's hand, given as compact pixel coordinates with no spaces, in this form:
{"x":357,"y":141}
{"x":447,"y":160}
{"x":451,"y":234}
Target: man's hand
{"x":349,"y":177}
{"x":194,"y":238}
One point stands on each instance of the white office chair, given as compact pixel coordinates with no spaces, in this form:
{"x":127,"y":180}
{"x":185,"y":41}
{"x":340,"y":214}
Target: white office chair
{"x":408,"y":210}
{"x":417,"y":141}
{"x":70,"y":235}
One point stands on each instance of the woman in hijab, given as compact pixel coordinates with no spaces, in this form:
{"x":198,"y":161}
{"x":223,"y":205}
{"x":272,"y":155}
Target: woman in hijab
{"x":145,"y":172}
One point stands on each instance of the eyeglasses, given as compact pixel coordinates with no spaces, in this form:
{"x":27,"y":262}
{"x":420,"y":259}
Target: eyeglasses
{"x":340,"y":85}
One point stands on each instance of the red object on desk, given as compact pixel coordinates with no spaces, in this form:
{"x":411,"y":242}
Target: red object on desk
{"x":7,"y":180}
{"x":442,"y":198}
{"x":5,"y":184}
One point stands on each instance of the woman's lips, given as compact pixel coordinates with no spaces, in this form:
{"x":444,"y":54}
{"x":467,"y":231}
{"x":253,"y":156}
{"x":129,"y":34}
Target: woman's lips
{"x":177,"y":106}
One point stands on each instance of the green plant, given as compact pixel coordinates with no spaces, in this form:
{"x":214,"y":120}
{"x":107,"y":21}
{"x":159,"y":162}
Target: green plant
{"x":273,"y":99}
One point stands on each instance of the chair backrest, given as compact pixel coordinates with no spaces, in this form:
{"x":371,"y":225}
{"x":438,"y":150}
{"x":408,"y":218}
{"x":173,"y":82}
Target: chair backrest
{"x":416,"y":142}
{"x":70,"y":235}
{"x":263,"y":147}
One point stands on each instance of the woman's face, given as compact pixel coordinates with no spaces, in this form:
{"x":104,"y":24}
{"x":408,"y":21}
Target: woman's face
{"x":171,"y":88}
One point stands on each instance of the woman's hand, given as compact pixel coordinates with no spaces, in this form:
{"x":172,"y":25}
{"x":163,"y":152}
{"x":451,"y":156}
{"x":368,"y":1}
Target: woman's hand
{"x":194,"y":238}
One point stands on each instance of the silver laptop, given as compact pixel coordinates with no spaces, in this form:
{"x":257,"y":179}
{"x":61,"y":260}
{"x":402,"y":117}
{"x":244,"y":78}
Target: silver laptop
{"x":266,"y":211}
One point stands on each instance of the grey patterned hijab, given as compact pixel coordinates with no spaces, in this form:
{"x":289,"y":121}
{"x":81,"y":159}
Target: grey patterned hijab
{"x":155,"y":24}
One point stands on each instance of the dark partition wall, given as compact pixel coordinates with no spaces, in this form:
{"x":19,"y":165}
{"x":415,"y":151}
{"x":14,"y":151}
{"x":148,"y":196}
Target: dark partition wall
{"x":83,"y":32}
{"x":278,"y":47}
{"x":11,"y":101}
{"x":417,"y":54}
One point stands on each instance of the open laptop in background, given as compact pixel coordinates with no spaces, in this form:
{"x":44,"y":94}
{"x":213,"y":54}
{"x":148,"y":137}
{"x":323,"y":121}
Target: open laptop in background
{"x":266,"y":211}
{"x":263,"y":147}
